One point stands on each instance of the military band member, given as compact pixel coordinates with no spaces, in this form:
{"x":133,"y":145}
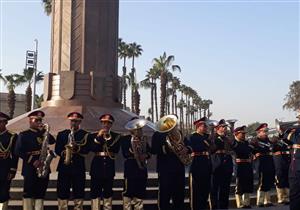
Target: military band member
{"x":71,"y":146}
{"x":266,"y":170}
{"x":170,"y":163}
{"x":105,"y":145}
{"x":8,"y":160}
{"x":282,"y":159}
{"x":136,"y":151}
{"x":200,"y":170}
{"x":294,"y":172}
{"x":29,"y":147}
{"x":222,"y":167}
{"x":244,"y":171}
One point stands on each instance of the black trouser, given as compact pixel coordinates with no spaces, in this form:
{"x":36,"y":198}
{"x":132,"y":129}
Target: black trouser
{"x":266,"y":171}
{"x":200,"y":182}
{"x":101,"y":187}
{"x":244,"y":178}
{"x":66,"y":181}
{"x":4,"y":190}
{"x":294,"y":181}
{"x":135,"y":187}
{"x":221,"y":179}
{"x":35,"y":187}
{"x":281,"y":163}
{"x":171,"y":186}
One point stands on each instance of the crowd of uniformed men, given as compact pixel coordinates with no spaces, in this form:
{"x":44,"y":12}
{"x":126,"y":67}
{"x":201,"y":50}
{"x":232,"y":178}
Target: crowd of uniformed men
{"x":214,"y":154}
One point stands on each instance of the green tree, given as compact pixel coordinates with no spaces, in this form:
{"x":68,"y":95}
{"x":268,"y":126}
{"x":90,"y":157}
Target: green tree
{"x":251,"y":129}
{"x":164,"y":65}
{"x":11,"y":81}
{"x":293,"y":97}
{"x":47,"y":6}
{"x":123,"y":53}
{"x":148,"y":83}
{"x":38,"y":100}
{"x":134,"y":51}
{"x":175,"y":84}
{"x":27,"y":78}
{"x":181,"y":104}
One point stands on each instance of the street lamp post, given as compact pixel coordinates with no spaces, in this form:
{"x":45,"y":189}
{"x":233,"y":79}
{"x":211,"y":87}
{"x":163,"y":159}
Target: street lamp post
{"x":34,"y":74}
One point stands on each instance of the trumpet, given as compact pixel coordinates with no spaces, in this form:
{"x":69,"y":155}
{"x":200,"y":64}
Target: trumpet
{"x":284,"y":126}
{"x":105,"y":134}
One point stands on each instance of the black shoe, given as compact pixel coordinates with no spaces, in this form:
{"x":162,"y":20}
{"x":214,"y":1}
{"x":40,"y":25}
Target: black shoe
{"x":246,"y":207}
{"x":268,"y":204}
{"x":261,"y":205}
{"x":286,"y":203}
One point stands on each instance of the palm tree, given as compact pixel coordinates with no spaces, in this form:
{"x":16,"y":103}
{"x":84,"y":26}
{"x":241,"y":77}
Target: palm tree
{"x":134,"y":51}
{"x":11,"y":82}
{"x":137,"y":100}
{"x":47,"y":6}
{"x":181,"y":105}
{"x":38,"y":100}
{"x":135,"y":106}
{"x":27,"y":77}
{"x":150,"y":113}
{"x":154,"y":74}
{"x":123,"y":53}
{"x":206,"y":106}
{"x":175,"y":84}
{"x":163,"y":65}
{"x":147,"y":83}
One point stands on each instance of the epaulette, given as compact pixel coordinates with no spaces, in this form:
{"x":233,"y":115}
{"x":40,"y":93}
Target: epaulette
{"x":25,"y":130}
{"x":12,"y":133}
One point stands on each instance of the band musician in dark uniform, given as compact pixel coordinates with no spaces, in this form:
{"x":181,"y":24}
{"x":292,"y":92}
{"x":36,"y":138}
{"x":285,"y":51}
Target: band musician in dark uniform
{"x":136,"y":151}
{"x":32,"y":147}
{"x":105,"y":144}
{"x":172,"y":156}
{"x":282,"y":159}
{"x":266,"y":170}
{"x":222,"y":167}
{"x":71,"y":146}
{"x":294,"y":172}
{"x":8,"y":160}
{"x":244,"y":171}
{"x":200,"y":169}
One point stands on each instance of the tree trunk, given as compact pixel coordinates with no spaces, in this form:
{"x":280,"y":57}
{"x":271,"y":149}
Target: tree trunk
{"x":11,"y":102}
{"x":152,"y":102}
{"x":132,"y":88}
{"x":175,"y":103}
{"x":124,"y":85}
{"x":163,"y":84}
{"x":28,"y":98}
{"x":137,"y":98}
{"x":155,"y":100}
{"x":181,"y":118}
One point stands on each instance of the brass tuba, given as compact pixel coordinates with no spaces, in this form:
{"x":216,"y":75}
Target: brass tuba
{"x":138,"y":140}
{"x":168,"y":124}
{"x":46,"y":155}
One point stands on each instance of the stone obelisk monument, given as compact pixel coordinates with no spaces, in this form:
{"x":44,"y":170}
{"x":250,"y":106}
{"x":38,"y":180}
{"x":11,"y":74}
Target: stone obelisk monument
{"x":84,"y":73}
{"x":83,"y":54}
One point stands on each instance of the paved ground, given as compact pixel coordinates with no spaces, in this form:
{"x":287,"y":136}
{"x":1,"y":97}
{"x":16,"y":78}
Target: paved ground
{"x":278,"y":207}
